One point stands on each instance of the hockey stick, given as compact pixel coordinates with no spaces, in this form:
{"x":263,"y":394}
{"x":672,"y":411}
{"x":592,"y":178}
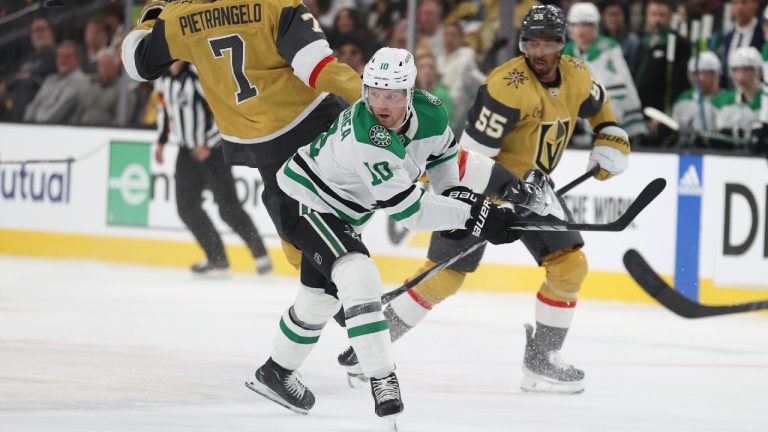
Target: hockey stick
{"x":649,"y":193}
{"x":652,"y":283}
{"x":386,"y":298}
{"x":70,"y":159}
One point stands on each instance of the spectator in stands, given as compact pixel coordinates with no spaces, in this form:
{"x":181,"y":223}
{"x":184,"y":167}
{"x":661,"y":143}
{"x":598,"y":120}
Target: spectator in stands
{"x":385,"y":15}
{"x":428,"y":79}
{"x":400,"y":39}
{"x":352,"y":51}
{"x":347,"y":21}
{"x":659,"y":81}
{"x":99,"y":102}
{"x":330,"y":8}
{"x":746,"y":32}
{"x":615,"y":19}
{"x":20,"y":87}
{"x":429,"y":18}
{"x":606,"y":61}
{"x":738,"y":109}
{"x":96,"y":38}
{"x":693,"y":110}
{"x":59,"y":95}
{"x":459,"y":71}
{"x":114,"y":21}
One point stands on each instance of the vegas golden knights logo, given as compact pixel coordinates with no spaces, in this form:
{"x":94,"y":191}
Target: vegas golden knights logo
{"x":553,"y":137}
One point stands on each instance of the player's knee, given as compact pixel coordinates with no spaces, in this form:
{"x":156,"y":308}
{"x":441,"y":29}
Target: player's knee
{"x":313,"y":306}
{"x":357,"y":279}
{"x":292,"y":254}
{"x":566,"y":271}
{"x":441,"y":286}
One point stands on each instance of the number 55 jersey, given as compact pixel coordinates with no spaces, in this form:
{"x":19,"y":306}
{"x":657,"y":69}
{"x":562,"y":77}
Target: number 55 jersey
{"x":264,"y":66}
{"x":525,"y":124}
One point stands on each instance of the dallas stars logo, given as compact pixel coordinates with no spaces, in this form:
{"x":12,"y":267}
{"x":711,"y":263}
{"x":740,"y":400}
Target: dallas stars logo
{"x":379,"y":136}
{"x":516,"y":77}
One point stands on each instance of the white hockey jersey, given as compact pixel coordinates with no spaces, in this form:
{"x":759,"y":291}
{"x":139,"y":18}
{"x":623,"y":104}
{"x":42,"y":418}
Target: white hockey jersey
{"x":735,"y":115}
{"x":358,"y":166}
{"x":692,"y":113}
{"x":606,"y":61}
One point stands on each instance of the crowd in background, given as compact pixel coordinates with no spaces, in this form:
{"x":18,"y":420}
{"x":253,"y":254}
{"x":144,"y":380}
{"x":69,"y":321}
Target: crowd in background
{"x":677,"y":58}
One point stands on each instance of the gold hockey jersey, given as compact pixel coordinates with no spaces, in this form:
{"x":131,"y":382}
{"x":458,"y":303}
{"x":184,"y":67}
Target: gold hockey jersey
{"x":264,"y":64}
{"x":524,"y":124}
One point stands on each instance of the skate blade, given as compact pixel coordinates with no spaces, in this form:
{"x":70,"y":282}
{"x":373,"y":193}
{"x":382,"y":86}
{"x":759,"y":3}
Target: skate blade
{"x":265,"y":391}
{"x":392,"y":422}
{"x":535,"y":383}
{"x":213,"y":274}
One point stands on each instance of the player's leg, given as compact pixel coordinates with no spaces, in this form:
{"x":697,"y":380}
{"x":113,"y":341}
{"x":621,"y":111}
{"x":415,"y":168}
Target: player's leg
{"x":299,"y":330}
{"x":405,"y":311}
{"x":566,"y":268}
{"x":221,"y":182}
{"x":190,"y":182}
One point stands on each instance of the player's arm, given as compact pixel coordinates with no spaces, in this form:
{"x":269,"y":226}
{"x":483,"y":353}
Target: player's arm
{"x":488,"y":122}
{"x":442,"y":169}
{"x":145,"y":52}
{"x":302,"y":43}
{"x":611,"y":146}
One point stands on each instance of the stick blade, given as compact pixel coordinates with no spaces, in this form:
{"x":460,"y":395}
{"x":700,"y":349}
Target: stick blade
{"x":655,"y":286}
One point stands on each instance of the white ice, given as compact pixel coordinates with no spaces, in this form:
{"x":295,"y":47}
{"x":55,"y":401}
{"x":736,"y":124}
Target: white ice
{"x":89,"y":346}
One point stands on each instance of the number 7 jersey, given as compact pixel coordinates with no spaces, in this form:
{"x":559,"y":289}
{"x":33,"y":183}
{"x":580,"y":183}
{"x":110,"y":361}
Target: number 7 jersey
{"x":260,"y":61}
{"x":524,"y":124}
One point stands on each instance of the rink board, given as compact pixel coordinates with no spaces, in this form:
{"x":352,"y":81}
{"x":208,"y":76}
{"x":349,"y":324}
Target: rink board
{"x":118,"y":205}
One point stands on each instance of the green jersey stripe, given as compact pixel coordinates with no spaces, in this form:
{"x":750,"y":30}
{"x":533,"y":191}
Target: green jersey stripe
{"x":408,"y":212}
{"x":437,"y":162}
{"x":369,"y":328}
{"x":305,"y":182}
{"x":331,"y":240}
{"x":303,"y":340}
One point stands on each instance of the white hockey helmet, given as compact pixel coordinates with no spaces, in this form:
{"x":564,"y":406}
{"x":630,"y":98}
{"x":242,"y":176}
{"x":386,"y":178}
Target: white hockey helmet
{"x":583,"y":12}
{"x":746,"y":57}
{"x":708,"y":61}
{"x":391,"y":69}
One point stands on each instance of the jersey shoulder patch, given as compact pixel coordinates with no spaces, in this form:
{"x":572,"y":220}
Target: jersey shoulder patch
{"x":431,"y":114}
{"x":511,"y":83}
{"x":368,"y":131}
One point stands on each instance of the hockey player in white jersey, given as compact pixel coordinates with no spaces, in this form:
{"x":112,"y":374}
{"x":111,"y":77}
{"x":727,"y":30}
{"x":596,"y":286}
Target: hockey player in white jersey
{"x":370,"y":159}
{"x":608,"y":66}
{"x":738,"y":109}
{"x":693,"y":110}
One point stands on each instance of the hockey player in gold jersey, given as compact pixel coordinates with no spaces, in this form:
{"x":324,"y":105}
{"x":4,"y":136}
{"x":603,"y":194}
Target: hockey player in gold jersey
{"x":523,"y":117}
{"x":265,"y":67}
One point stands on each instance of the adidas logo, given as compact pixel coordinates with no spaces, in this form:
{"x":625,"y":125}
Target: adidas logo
{"x":690,"y":184}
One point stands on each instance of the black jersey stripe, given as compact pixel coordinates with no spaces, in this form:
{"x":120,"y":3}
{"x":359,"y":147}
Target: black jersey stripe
{"x":397,"y":199}
{"x":325,"y":188}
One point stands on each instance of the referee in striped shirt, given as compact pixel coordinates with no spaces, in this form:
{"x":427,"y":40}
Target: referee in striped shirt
{"x":185,"y":120}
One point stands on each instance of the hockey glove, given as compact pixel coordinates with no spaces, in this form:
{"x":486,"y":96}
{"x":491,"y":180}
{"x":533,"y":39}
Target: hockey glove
{"x":151,"y":11}
{"x":611,"y":152}
{"x":535,"y":193}
{"x":487,"y":221}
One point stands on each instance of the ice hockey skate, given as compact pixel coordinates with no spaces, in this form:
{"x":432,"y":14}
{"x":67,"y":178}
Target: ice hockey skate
{"x":544,"y":371}
{"x":386,"y":397}
{"x":283,"y":387}
{"x":355,"y":376}
{"x":207,"y":268}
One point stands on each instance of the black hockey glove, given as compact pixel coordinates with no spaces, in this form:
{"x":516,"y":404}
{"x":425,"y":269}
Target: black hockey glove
{"x":487,"y":220}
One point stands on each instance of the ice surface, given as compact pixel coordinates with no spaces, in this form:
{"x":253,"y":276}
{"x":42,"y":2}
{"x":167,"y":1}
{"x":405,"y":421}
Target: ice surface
{"x":89,"y":346}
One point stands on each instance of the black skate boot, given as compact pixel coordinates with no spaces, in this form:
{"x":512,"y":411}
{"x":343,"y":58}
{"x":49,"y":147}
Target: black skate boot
{"x":355,"y":376}
{"x":263,"y":265}
{"x":283,"y":387}
{"x":211,"y":268}
{"x":386,"y":397}
{"x":544,"y":371}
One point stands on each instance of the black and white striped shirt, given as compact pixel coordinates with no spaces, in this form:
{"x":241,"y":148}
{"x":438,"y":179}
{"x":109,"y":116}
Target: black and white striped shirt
{"x":184,"y":118}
